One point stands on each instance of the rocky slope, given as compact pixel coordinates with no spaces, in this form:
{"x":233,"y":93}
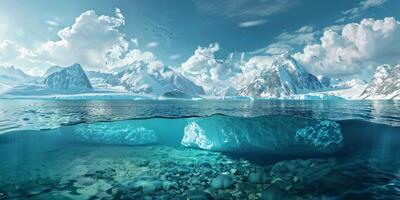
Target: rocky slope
{"x":283,"y":78}
{"x":385,"y":84}
{"x":71,"y":78}
{"x":139,"y":79}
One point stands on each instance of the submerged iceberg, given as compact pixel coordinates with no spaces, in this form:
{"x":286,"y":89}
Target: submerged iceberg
{"x":119,"y":132}
{"x":324,"y":136}
{"x":269,"y":134}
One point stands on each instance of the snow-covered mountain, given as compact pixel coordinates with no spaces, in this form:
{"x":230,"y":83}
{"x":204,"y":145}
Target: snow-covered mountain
{"x":140,"y":79}
{"x":11,"y":76}
{"x":52,"y":70}
{"x":329,"y":82}
{"x":283,"y":78}
{"x":72,"y":78}
{"x":349,"y":84}
{"x":385,"y":84}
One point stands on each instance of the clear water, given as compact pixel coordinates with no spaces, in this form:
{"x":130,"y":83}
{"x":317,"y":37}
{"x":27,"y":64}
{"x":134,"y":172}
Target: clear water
{"x":208,"y":149}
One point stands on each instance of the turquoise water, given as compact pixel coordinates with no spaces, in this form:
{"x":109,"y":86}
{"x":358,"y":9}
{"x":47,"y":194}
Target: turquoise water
{"x":207,"y":149}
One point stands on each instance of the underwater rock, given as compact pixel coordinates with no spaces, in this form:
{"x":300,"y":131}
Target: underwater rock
{"x":258,"y":176}
{"x":222,"y":182}
{"x":274,"y":192}
{"x":267,"y":134}
{"x":195,"y":181}
{"x":198,"y":195}
{"x":112,"y":133}
{"x":148,"y":186}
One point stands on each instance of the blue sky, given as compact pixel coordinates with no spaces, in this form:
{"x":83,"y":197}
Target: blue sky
{"x":173,"y":29}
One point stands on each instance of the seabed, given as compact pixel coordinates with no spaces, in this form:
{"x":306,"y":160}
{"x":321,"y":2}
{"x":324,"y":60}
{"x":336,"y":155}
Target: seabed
{"x":77,"y":171}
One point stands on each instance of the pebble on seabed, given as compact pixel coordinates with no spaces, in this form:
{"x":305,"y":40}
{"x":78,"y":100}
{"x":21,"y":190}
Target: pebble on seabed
{"x":144,"y":173}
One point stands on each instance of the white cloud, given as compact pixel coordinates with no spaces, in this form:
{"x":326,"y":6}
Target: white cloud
{"x":93,"y":41}
{"x":246,"y":24}
{"x":135,"y":56}
{"x":152,"y":45}
{"x":360,"y":9}
{"x":204,"y":69}
{"x":252,"y":68}
{"x":12,"y":54}
{"x":355,"y":49}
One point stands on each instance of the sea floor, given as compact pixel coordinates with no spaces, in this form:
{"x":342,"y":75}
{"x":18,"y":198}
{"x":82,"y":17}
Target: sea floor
{"x":77,"y":171}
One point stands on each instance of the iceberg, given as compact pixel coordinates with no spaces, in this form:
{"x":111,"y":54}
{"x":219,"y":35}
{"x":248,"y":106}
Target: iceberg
{"x":268,"y":134}
{"x":119,"y":132}
{"x":324,"y":136}
{"x":286,"y":135}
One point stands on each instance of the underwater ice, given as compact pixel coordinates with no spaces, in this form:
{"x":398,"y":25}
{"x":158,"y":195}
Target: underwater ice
{"x":270,"y":134}
{"x":114,"y":133}
{"x":324,"y":136}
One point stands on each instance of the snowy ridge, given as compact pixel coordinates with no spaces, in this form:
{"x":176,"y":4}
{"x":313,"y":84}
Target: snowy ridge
{"x":139,"y":79}
{"x":52,"y":70}
{"x":284,"y":78}
{"x":11,"y":76}
{"x":72,"y":78}
{"x":385,"y":84}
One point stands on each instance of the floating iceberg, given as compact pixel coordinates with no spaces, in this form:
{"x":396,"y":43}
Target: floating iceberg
{"x":269,"y":134}
{"x":119,"y":132}
{"x":324,"y":136}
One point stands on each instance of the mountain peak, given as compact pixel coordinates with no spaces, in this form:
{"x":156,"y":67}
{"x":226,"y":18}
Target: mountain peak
{"x":285,"y":77}
{"x":69,"y":78}
{"x":384,"y":84}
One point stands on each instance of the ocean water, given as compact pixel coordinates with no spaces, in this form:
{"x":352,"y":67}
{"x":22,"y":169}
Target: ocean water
{"x":206,"y":149}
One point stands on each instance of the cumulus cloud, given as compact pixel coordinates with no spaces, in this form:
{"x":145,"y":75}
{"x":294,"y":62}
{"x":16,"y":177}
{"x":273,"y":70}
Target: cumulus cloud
{"x":360,"y":9}
{"x":12,"y":54}
{"x":93,"y":40}
{"x":354,"y":49}
{"x":246,"y":24}
{"x":136,"y":56}
{"x":251,"y":68}
{"x":206,"y":70}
